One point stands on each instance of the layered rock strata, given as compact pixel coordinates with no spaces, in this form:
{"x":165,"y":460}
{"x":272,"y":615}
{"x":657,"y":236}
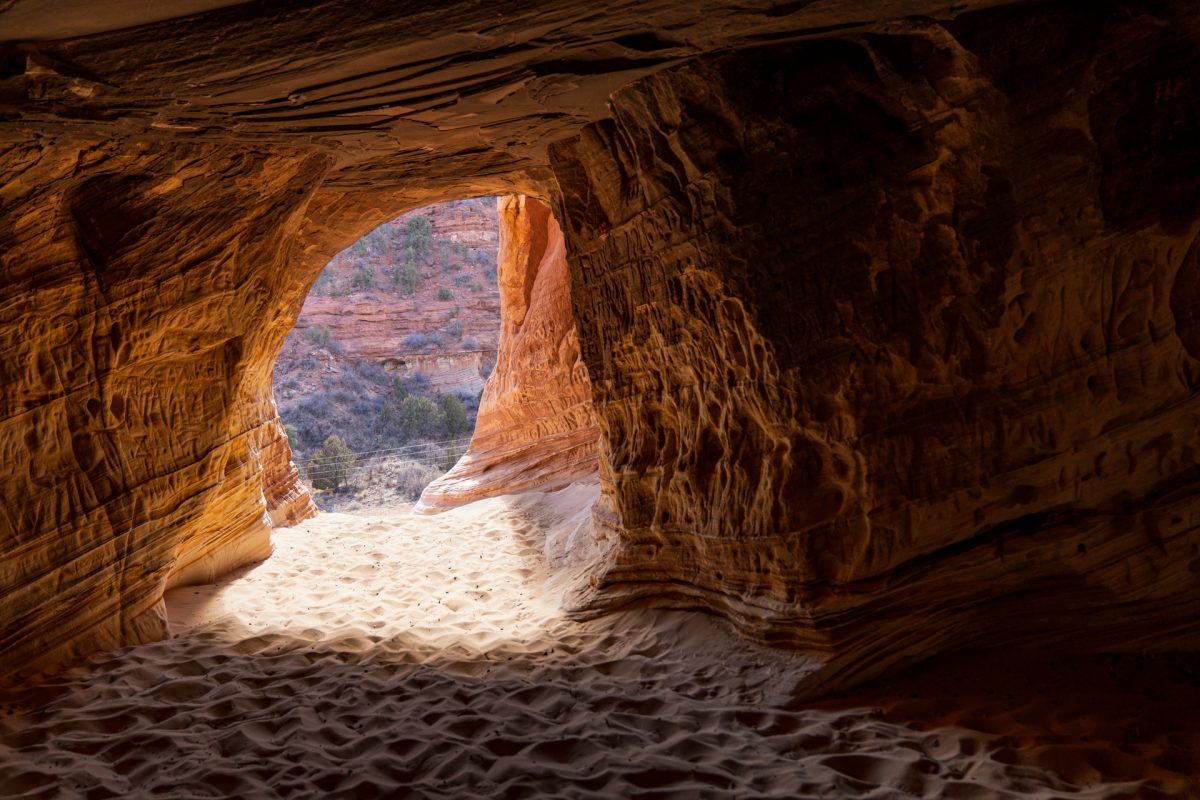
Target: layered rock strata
{"x":360,"y":311}
{"x":139,"y":437}
{"x":902,"y":363}
{"x":889,"y":322}
{"x":453,"y":372}
{"x":373,"y":332}
{"x":536,"y":429}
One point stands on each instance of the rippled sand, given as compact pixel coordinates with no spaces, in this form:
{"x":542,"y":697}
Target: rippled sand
{"x":387,"y":654}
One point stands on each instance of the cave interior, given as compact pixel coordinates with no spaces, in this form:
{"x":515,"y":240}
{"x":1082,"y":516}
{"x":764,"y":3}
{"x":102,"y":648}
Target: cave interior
{"x":883,"y":312}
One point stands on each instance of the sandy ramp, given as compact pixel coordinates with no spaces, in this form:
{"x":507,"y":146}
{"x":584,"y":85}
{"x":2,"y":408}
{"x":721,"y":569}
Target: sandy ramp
{"x":388,"y":654}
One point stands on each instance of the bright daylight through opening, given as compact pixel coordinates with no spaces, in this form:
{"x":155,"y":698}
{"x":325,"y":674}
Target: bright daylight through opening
{"x":378,"y":385}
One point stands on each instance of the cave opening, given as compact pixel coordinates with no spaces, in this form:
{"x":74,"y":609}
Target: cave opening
{"x":887,"y":308}
{"x":378,"y":384}
{"x":440,"y":346}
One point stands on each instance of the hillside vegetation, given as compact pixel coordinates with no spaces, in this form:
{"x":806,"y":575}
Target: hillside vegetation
{"x":378,"y":385}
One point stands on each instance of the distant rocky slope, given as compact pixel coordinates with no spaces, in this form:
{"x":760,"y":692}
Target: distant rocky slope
{"x":412,"y":308}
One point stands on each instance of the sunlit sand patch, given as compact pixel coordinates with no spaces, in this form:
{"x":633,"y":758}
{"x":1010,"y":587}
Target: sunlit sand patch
{"x":467,"y":581}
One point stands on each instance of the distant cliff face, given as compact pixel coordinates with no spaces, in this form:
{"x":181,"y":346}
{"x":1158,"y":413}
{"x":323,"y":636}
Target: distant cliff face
{"x":407,"y":289}
{"x":415,"y":300}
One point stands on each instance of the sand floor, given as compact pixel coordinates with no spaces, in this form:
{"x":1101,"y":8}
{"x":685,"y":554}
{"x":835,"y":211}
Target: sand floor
{"x":386,"y":654}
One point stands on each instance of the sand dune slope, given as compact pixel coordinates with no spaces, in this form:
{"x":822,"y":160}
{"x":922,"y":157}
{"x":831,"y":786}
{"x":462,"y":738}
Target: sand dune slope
{"x":389,"y":654}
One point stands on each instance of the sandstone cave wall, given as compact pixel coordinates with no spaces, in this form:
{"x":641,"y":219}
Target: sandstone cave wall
{"x":536,"y":429}
{"x":138,"y":430}
{"x":905,"y":361}
{"x":149,"y":286}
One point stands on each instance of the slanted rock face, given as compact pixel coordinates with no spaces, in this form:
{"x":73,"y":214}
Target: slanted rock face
{"x":889,"y":324}
{"x":536,"y":429}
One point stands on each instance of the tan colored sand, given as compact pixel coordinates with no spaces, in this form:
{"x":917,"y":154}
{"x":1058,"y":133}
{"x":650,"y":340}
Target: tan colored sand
{"x":388,"y":654}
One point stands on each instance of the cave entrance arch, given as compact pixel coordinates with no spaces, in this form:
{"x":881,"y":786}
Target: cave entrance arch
{"x":536,"y":432}
{"x":378,"y":384}
{"x":480,"y":287}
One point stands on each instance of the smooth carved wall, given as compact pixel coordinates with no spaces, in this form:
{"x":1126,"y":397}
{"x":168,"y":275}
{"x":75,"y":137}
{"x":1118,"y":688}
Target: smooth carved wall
{"x":889,"y":324}
{"x":536,"y":429}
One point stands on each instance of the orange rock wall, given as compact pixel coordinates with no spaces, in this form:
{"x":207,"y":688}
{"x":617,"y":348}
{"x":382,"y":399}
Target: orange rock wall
{"x":889,"y":322}
{"x":137,"y":416}
{"x":536,"y":429}
{"x":902,"y":363}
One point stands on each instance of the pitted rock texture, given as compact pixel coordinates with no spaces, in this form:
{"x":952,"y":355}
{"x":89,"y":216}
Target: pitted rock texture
{"x":536,"y":429}
{"x":165,"y":204}
{"x":903,"y":363}
{"x":141,"y":445}
{"x":887,"y":309}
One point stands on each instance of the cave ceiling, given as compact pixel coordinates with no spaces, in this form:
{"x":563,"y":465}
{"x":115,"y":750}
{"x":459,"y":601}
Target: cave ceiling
{"x":392,"y":93}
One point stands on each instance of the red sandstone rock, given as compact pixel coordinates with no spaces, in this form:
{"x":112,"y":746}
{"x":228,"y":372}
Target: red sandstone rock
{"x":536,"y":428}
{"x":375,"y":324}
{"x":932,"y":388}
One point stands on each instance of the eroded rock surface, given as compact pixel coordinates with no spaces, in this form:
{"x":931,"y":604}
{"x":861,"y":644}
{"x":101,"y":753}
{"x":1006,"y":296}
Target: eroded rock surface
{"x":536,"y":429}
{"x":140,"y":441}
{"x":889,"y":322}
{"x":902,"y":363}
